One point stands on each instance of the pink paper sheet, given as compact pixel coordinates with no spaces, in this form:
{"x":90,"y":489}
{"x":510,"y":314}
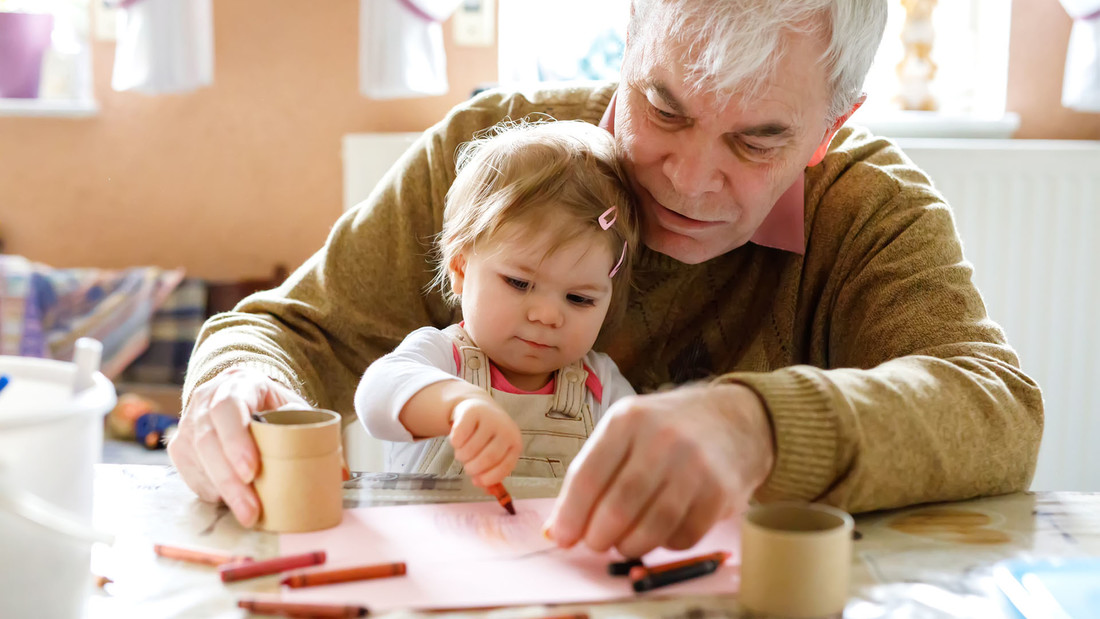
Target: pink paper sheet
{"x":466,"y":555}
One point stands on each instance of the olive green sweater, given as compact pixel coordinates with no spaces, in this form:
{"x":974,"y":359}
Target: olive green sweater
{"x":885,"y":381}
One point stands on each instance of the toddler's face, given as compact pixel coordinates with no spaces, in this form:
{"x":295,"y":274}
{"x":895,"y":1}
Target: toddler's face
{"x":532,"y":312}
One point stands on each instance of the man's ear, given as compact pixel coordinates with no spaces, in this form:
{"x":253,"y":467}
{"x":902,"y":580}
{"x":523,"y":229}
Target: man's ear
{"x":457,"y":270}
{"x":823,"y":148}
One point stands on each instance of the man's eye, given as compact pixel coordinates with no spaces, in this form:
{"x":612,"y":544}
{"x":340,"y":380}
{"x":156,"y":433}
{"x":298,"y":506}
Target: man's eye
{"x":518,"y":284}
{"x":756,"y":150}
{"x":577,"y":299}
{"x":663,"y":115}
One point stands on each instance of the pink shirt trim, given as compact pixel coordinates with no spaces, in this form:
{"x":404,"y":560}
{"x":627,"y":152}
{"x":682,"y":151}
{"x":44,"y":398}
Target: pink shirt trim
{"x":595,"y":387}
{"x":783,"y":228}
{"x":500,"y":383}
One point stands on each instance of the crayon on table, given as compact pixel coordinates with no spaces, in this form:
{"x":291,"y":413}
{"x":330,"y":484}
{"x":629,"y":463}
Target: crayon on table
{"x":293,"y":609}
{"x":675,"y":575}
{"x":195,"y":555}
{"x":505,"y":499}
{"x":362,"y":572}
{"x":4,"y":380}
{"x":624,"y":567}
{"x":232,"y":572}
{"x":640,"y":571}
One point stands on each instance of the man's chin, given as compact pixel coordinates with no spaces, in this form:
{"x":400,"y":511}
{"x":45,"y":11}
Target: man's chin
{"x":679,"y":247}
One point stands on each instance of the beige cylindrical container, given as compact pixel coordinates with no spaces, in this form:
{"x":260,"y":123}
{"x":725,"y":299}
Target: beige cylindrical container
{"x":300,"y":481}
{"x":795,"y":560}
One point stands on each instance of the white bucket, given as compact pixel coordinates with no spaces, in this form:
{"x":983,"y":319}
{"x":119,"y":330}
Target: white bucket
{"x":51,"y":435}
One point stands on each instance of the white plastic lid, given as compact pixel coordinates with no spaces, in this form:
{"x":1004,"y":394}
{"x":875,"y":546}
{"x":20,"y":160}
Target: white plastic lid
{"x":41,"y":390}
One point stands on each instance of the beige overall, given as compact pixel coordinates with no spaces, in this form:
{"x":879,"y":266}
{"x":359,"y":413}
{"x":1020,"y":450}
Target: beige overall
{"x":554,"y":426}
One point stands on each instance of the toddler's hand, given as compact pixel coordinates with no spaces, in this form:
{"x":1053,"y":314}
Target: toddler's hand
{"x":486,"y":440}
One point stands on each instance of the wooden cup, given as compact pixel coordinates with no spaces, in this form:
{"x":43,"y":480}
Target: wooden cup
{"x":795,"y":560}
{"x":300,"y":481}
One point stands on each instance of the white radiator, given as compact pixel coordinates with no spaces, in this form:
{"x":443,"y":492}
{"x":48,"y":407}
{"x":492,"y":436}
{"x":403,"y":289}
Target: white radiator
{"x":1028,"y":213}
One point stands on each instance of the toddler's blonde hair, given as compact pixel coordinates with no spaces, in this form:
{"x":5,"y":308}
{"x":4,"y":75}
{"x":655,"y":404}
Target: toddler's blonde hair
{"x":556,"y":177}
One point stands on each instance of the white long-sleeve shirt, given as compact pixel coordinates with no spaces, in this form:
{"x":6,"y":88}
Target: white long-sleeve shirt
{"x":427,"y":356}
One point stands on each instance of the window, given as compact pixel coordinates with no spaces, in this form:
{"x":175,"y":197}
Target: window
{"x":969,"y":48}
{"x":45,"y":58}
{"x":577,"y":40}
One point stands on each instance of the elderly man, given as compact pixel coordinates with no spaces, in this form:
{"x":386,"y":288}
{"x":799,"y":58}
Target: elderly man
{"x":802,"y":282}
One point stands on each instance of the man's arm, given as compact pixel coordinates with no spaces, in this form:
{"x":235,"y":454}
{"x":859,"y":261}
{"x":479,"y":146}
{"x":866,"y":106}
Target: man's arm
{"x":925,"y":400}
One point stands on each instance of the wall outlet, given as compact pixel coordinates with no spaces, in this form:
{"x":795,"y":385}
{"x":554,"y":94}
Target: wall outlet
{"x":474,"y":23}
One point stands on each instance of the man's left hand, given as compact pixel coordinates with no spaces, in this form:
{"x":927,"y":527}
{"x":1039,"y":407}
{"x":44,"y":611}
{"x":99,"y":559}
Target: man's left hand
{"x":661,"y":469}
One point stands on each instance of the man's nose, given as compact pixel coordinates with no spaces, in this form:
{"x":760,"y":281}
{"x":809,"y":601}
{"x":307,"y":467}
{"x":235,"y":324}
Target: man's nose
{"x":692,"y":171}
{"x":544,"y":311}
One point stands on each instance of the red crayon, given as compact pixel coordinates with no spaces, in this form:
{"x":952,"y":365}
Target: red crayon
{"x":195,"y":555}
{"x":252,"y":569}
{"x":363,"y":572}
{"x":641,"y":571}
{"x":292,"y":609}
{"x":505,"y":499}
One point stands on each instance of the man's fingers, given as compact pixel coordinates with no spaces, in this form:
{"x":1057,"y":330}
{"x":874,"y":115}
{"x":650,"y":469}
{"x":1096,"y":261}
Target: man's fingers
{"x":589,"y":474}
{"x":670,"y":506}
{"x":230,"y":419}
{"x":275,"y":396}
{"x":624,"y":501}
{"x":701,"y":515}
{"x":181,"y":451}
{"x":240,"y":498}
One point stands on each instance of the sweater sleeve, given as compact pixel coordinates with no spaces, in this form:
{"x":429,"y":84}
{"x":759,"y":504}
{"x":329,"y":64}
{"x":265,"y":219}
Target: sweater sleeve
{"x":917,"y":396}
{"x":425,"y":357}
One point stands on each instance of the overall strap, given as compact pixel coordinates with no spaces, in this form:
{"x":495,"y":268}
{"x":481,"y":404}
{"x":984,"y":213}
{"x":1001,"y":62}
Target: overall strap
{"x":569,"y":391}
{"x":473,"y":364}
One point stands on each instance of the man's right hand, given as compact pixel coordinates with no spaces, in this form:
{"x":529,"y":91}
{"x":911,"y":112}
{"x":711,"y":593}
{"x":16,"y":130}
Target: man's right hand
{"x":212,"y":448}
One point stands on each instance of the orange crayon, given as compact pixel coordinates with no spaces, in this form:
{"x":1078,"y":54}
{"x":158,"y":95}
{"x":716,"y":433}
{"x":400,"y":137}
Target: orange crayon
{"x":194,"y":555}
{"x":232,"y":572}
{"x":505,"y":499}
{"x":292,"y":609}
{"x":641,"y":571}
{"x":363,"y":572}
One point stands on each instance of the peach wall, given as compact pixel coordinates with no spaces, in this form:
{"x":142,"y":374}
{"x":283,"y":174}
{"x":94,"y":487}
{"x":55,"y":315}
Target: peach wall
{"x":226,"y":181}
{"x":1036,"y":62}
{"x":233,"y":179}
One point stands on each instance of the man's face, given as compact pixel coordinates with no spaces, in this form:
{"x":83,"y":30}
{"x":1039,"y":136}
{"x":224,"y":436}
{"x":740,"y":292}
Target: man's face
{"x":707,"y":173}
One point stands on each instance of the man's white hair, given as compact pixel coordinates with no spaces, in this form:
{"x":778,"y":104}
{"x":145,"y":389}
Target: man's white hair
{"x":745,"y":39}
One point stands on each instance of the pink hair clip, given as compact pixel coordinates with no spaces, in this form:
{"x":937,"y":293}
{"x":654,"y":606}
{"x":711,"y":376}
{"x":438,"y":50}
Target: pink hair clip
{"x":608,"y":219}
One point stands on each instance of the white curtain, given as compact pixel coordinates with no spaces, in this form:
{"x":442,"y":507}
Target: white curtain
{"x":1081,"y":82}
{"x":401,"y":48}
{"x":164,"y":46}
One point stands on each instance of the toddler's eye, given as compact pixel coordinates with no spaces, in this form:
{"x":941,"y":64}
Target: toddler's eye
{"x":577,"y":299}
{"x":518,"y":284}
